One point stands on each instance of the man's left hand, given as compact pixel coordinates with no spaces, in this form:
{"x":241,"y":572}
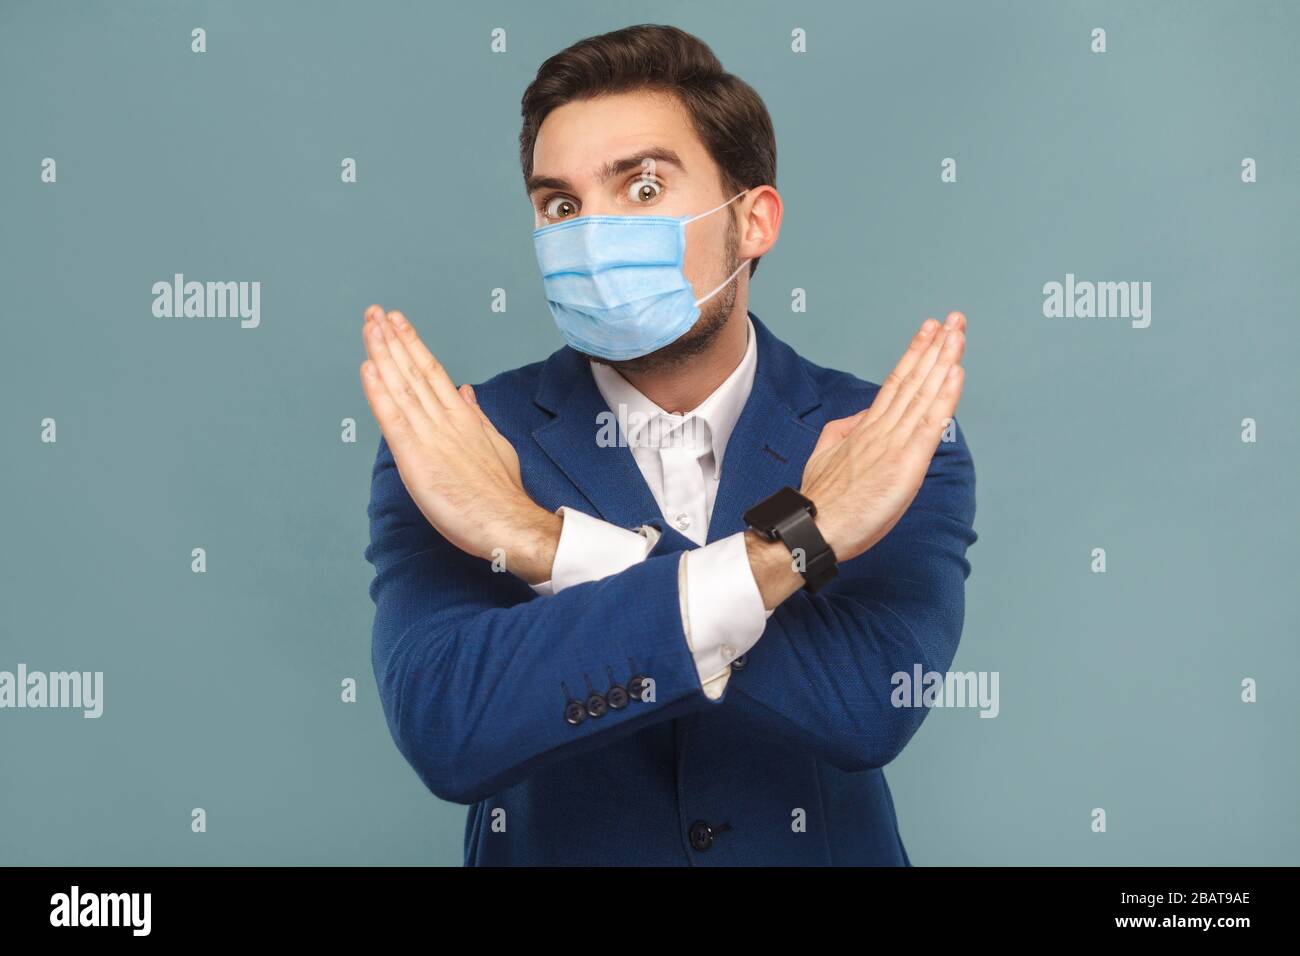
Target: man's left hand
{"x":458,"y":469}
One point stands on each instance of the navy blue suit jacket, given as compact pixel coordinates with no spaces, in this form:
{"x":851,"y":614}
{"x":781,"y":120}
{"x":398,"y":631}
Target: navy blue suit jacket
{"x":470,"y":662}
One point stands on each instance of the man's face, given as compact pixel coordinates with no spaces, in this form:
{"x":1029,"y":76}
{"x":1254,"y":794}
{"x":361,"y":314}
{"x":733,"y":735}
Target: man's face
{"x":629,"y":154}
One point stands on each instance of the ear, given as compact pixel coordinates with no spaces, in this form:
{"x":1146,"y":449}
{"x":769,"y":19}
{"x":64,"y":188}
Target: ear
{"x":760,"y":221}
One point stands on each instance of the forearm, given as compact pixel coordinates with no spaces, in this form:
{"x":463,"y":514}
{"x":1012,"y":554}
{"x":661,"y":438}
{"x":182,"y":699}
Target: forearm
{"x":529,"y":542}
{"x":773,"y":569}
{"x":820,"y":681}
{"x":821,"y":677}
{"x":475,"y":672}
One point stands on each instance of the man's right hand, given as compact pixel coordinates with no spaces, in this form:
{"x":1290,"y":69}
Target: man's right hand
{"x":866,"y":469}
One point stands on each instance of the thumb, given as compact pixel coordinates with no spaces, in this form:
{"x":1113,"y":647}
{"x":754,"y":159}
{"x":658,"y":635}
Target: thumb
{"x":467,"y":393}
{"x":835,"y":431}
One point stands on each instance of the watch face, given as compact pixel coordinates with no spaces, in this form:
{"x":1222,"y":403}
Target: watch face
{"x":767,"y":514}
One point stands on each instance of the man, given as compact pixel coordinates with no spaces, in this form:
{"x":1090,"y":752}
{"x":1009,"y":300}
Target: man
{"x":641,"y":603}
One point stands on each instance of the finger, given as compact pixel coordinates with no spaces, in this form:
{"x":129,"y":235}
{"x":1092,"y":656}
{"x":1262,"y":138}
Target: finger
{"x":949,"y":358}
{"x":396,"y":429}
{"x":889,"y":388}
{"x":955,"y":320}
{"x":408,"y":365}
{"x":399,"y":389}
{"x":934,"y":422}
{"x":373,"y":313}
{"x":426,"y":364}
{"x":913,"y":382}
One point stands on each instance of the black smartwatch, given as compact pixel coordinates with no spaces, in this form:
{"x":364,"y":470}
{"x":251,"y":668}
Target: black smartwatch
{"x":787,"y":517}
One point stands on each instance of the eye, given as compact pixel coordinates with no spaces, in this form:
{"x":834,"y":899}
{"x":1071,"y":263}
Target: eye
{"x":559,"y":207}
{"x":643,"y":190}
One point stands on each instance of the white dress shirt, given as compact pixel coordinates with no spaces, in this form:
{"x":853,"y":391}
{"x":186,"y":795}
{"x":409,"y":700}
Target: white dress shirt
{"x":680,"y":457}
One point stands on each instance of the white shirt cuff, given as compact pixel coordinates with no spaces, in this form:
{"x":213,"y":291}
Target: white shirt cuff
{"x":591,"y":549}
{"x":722,"y":610}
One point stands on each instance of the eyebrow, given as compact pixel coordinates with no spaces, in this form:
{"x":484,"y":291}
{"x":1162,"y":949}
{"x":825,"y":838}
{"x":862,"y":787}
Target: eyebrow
{"x":660,"y":154}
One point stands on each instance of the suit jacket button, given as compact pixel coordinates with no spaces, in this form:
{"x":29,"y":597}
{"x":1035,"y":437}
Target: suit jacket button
{"x":574,"y":712}
{"x":616,"y":697}
{"x":596,"y":706}
{"x":701,"y":835}
{"x":636,"y":687}
{"x":739,"y":663}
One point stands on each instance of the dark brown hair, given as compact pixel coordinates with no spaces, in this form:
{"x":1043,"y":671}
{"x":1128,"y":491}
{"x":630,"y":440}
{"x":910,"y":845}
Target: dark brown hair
{"x":728,"y":116}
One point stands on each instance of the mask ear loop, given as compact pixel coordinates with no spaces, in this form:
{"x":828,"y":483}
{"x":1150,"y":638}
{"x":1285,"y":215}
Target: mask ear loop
{"x":706,"y":298}
{"x":723,"y":285}
{"x":716,"y":208}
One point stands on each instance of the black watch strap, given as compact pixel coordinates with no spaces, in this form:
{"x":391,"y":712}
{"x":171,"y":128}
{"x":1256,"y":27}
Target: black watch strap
{"x":787,"y":516}
{"x":799,"y":533}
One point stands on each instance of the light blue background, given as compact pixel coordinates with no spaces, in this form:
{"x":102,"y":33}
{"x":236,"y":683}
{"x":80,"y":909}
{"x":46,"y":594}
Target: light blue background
{"x":222,"y":690}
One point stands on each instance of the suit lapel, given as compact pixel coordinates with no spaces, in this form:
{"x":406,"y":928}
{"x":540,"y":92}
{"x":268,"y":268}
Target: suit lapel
{"x":607,"y":477}
{"x":771,"y":442}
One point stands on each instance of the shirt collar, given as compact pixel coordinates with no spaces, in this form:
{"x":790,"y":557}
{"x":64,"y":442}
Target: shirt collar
{"x":721,"y":410}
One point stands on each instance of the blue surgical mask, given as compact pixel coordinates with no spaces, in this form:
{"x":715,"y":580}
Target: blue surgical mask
{"x":615,"y":283}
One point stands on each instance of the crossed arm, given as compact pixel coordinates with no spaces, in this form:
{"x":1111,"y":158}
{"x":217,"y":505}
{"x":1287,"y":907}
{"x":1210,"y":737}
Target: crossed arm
{"x":471,"y":671}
